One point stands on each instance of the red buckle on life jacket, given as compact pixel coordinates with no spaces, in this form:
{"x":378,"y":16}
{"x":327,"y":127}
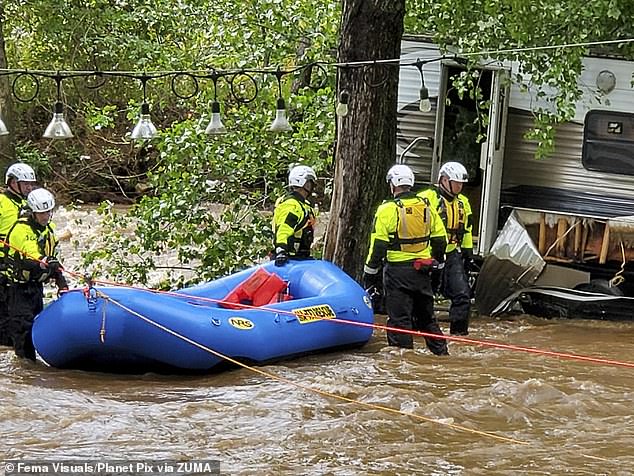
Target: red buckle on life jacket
{"x":259,"y":289}
{"x":424,"y":263}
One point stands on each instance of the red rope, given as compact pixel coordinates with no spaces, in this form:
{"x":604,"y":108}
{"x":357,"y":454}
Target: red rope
{"x":464,"y":340}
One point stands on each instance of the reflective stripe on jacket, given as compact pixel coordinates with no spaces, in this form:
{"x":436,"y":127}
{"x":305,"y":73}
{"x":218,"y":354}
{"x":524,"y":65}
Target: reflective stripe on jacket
{"x":405,"y":214}
{"x":293,"y":223}
{"x":455,"y":214}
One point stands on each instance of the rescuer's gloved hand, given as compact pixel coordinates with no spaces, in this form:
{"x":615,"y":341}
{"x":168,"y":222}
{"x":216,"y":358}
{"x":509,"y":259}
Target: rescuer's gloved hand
{"x":281,"y":256}
{"x":436,"y":277}
{"x":371,"y":280}
{"x":468,"y":261}
{"x":61,"y":283}
{"x":52,"y":264}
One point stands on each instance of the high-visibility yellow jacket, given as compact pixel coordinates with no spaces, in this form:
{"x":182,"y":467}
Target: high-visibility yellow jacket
{"x":29,"y":242}
{"x":455,"y":214}
{"x":405,"y":228}
{"x":10,"y":206}
{"x":293,"y":224}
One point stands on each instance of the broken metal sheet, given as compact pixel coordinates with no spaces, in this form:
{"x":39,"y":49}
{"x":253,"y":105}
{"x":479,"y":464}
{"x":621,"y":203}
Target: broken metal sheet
{"x":513,"y":264}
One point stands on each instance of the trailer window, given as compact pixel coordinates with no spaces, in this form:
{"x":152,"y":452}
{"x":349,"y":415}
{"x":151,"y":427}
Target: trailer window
{"x":608,"y":142}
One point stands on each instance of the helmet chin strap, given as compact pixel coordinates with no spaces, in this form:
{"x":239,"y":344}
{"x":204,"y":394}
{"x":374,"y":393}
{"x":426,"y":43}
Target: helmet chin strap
{"x":14,"y":186}
{"x":447,"y":191}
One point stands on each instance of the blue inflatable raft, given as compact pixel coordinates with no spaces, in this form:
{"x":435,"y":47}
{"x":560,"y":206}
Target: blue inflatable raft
{"x":258,"y":315}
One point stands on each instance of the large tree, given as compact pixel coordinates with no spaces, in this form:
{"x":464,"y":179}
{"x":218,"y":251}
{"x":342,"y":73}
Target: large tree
{"x":366,"y":139}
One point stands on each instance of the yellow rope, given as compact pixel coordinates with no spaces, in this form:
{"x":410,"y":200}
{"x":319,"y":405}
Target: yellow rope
{"x":306,"y":387}
{"x":618,"y":277}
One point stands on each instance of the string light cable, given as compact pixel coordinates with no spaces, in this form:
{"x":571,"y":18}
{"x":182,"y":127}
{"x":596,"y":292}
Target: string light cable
{"x":145,"y":129}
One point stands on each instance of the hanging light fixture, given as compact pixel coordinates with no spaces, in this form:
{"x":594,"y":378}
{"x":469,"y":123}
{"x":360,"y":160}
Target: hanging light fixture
{"x":58,"y":127}
{"x":424,"y":104}
{"x":342,"y":106}
{"x":144,"y":128}
{"x":215,"y":126}
{"x":3,"y":128}
{"x":280,"y":123}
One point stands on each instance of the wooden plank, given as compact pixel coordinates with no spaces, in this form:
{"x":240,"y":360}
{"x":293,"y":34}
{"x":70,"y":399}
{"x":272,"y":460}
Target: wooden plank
{"x":577,"y":242}
{"x":584,"y":242}
{"x":605,"y":244}
{"x":542,"y":234}
{"x":562,"y":225}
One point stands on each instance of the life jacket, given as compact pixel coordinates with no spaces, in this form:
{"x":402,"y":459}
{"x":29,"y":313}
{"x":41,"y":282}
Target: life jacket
{"x":453,"y":216}
{"x":413,"y":226}
{"x":21,"y":266}
{"x":301,"y":221}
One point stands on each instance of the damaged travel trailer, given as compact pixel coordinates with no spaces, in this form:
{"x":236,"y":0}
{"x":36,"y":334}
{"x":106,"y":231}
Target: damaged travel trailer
{"x":556,"y":234}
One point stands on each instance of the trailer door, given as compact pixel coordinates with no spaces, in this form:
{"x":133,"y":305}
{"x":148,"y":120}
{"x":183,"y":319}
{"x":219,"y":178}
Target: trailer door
{"x":491,"y":161}
{"x":440,"y":121}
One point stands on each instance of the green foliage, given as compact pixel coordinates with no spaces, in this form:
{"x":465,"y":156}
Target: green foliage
{"x":494,"y":25}
{"x":207,"y":201}
{"x":208,"y":209}
{"x":26,"y":152}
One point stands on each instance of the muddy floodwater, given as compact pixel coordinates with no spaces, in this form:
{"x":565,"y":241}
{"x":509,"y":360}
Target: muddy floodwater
{"x":555,"y":416}
{"x":375,"y":410}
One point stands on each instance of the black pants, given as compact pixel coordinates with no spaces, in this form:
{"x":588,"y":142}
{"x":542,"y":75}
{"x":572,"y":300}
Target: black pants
{"x":25,"y":301}
{"x":456,"y":288}
{"x":409,"y":301}
{"x":5,"y":339}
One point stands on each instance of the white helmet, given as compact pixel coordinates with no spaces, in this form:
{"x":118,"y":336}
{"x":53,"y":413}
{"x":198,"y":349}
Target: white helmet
{"x":300,"y":174}
{"x":41,"y":200}
{"x":454,"y":171}
{"x":400,"y":175}
{"x":21,"y":172}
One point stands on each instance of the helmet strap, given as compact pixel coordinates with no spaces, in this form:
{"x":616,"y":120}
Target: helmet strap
{"x":445,"y":187}
{"x":14,"y":186}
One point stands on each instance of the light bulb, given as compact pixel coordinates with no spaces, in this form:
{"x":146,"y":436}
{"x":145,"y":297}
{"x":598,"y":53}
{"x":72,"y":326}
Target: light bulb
{"x":3,"y":128}
{"x":280,"y":123}
{"x":215,"y":126}
{"x":144,"y":129}
{"x":424,"y":105}
{"x":58,"y":128}
{"x":342,"y":106}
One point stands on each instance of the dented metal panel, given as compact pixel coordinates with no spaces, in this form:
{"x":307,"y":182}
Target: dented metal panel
{"x":513,"y":263}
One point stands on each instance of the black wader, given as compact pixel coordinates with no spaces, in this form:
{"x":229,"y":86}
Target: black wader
{"x":409,"y":301}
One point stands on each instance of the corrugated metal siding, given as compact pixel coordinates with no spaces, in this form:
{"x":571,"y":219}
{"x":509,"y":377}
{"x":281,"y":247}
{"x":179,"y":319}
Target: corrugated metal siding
{"x":620,"y":99}
{"x":563,"y":170}
{"x":411,"y":123}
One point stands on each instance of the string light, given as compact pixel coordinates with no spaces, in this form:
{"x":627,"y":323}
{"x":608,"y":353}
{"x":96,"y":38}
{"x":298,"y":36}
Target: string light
{"x":3,"y":128}
{"x":280,"y":123}
{"x":215,"y":126}
{"x":424,"y":104}
{"x":342,"y":106}
{"x":58,"y":128}
{"x":144,"y":128}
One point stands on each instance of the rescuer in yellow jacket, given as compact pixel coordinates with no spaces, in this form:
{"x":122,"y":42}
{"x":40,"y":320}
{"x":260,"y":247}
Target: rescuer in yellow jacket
{"x":408,"y":239}
{"x":30,"y":261}
{"x":20,"y":179}
{"x":455,"y":211}
{"x":294,"y":217}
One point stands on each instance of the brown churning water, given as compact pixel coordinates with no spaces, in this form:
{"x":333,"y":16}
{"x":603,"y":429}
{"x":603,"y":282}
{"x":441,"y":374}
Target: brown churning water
{"x":575,"y":417}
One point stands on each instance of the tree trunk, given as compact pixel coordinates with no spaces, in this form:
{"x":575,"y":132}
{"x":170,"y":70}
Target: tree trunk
{"x":366,"y":137}
{"x":7,"y":152}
